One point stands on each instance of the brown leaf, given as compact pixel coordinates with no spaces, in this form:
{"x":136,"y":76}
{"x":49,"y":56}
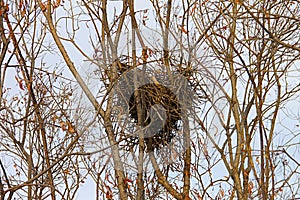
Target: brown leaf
{"x":43,"y":7}
{"x":56,"y":4}
{"x":222,"y":193}
{"x":23,"y":12}
{"x":21,"y":4}
{"x":184,"y":30}
{"x":63,"y":125}
{"x":71,"y":128}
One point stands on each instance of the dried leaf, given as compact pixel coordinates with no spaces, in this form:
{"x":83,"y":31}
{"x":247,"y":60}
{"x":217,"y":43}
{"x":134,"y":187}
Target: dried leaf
{"x":250,"y":187}
{"x":23,"y":12}
{"x":21,"y":4}
{"x":56,"y":4}
{"x":222,"y":193}
{"x":43,"y":7}
{"x":184,"y":30}
{"x":63,"y":125}
{"x":71,"y":128}
{"x":127,"y":180}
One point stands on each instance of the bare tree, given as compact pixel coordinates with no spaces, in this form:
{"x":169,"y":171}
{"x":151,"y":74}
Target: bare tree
{"x":171,"y":99}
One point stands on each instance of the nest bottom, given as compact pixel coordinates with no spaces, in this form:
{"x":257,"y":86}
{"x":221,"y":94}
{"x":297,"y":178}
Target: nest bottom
{"x":146,"y":97}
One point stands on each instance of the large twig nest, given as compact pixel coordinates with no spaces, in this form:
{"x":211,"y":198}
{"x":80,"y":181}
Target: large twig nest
{"x":151,"y":90}
{"x":148,"y":96}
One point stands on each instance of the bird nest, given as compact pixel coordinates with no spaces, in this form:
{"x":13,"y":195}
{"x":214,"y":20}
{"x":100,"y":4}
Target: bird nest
{"x":154,"y":107}
{"x":161,"y":129}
